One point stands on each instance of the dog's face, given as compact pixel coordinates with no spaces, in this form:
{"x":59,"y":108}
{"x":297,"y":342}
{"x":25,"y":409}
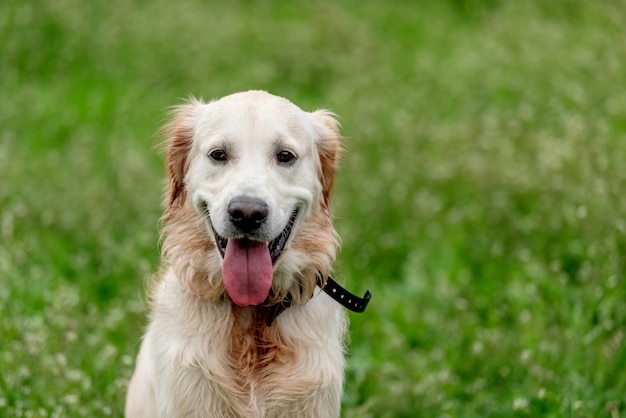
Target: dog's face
{"x":255,"y":168}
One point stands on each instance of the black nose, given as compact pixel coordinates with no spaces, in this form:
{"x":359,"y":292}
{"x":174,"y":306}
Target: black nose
{"x":247,"y":214}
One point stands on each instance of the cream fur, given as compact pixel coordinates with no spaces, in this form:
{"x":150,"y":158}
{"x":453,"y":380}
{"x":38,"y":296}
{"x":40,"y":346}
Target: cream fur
{"x":203,"y":356}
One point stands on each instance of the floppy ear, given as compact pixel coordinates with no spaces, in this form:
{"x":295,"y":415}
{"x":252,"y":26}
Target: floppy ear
{"x":178,"y":135}
{"x":328,"y":149}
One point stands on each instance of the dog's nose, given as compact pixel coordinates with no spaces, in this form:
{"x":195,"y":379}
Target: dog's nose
{"x":247,"y":214}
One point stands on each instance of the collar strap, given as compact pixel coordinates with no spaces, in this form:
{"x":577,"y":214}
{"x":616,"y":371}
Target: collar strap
{"x":334,"y":290}
{"x":345,"y":298}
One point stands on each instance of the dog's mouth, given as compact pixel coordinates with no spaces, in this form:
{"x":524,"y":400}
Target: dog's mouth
{"x":248,"y":267}
{"x":275,"y":246}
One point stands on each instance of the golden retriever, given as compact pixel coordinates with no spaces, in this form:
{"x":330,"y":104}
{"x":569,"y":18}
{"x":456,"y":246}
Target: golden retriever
{"x":239,"y":326}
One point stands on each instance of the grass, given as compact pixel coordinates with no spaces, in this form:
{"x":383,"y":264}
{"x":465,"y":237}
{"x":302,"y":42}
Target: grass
{"x":481,"y":198}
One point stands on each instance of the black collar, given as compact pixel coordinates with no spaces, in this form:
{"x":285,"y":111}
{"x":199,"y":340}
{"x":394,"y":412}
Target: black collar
{"x":346,"y":299}
{"x":334,"y":290}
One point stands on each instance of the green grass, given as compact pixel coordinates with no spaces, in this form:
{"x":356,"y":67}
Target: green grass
{"x":481,"y":198}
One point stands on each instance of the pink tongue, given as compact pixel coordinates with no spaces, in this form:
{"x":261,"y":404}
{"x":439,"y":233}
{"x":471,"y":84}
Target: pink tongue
{"x":247,"y":271}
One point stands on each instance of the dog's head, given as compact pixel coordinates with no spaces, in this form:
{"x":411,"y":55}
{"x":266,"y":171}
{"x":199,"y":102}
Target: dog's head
{"x":247,"y":206}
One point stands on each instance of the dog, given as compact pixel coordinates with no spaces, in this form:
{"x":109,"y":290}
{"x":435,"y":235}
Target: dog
{"x":239,"y":325}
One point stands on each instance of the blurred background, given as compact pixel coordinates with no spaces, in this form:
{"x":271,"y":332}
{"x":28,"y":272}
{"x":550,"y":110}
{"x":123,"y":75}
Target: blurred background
{"x":481,"y":197}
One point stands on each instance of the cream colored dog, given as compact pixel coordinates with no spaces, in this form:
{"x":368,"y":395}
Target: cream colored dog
{"x":238,"y":327}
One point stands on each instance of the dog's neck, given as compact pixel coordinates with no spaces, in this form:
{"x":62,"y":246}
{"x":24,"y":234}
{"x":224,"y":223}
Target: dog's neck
{"x":244,"y":316}
{"x":248,"y":318}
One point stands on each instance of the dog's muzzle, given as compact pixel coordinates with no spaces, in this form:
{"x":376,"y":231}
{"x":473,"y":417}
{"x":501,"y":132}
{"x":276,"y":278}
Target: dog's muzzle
{"x":275,"y":246}
{"x":247,"y":214}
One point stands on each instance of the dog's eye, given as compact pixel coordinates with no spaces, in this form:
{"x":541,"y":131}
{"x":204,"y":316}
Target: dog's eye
{"x":286,"y":157}
{"x":218,"y":155}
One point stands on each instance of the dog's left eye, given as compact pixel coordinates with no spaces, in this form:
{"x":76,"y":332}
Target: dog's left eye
{"x":286,"y":157}
{"x":218,"y":155}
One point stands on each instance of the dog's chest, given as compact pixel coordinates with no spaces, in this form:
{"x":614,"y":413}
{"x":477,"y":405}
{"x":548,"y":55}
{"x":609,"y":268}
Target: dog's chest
{"x":257,"y":349}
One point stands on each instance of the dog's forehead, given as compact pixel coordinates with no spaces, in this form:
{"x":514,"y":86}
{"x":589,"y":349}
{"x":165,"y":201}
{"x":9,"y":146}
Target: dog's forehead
{"x":254,"y":111}
{"x":254,"y":98}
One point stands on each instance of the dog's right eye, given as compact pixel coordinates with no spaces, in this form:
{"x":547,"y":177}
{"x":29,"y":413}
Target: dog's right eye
{"x":286,"y":157}
{"x":218,"y":155}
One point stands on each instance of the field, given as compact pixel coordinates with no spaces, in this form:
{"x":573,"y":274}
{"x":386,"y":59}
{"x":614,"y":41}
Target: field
{"x":482,"y":196}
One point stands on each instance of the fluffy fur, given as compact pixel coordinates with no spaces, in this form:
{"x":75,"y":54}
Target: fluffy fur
{"x":203,"y":355}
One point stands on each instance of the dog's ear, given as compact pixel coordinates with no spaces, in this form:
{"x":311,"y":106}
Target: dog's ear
{"x":178,"y":136}
{"x":328,"y":149}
